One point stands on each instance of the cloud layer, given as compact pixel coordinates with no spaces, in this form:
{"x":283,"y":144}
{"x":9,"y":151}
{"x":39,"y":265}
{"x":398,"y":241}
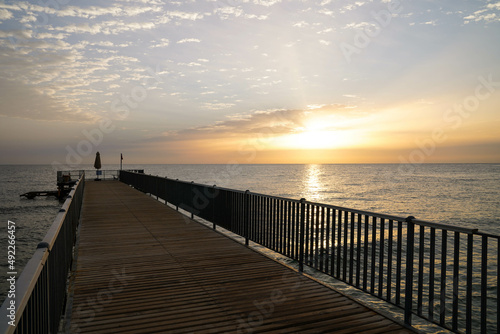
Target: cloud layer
{"x":209,"y":67}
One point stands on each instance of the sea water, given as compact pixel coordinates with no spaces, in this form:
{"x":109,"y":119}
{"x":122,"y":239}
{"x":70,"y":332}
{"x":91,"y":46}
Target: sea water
{"x":31,"y":218}
{"x":465,"y":195}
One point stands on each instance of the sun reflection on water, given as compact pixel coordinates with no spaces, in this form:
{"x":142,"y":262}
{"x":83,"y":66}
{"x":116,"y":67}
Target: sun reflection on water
{"x":313,"y":184}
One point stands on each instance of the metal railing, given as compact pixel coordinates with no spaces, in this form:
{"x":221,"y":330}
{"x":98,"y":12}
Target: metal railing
{"x":40,"y":292}
{"x":91,"y":174}
{"x":445,"y":274}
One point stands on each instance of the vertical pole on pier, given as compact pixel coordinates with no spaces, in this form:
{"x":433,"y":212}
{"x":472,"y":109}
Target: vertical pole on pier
{"x":247,"y":216}
{"x":410,"y":239}
{"x":302,"y":232}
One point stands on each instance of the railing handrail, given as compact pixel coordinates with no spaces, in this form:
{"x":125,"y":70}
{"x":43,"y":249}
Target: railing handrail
{"x":53,"y":232}
{"x":89,"y":172}
{"x":363,"y":212}
{"x":31,"y":274}
{"x":384,"y":216}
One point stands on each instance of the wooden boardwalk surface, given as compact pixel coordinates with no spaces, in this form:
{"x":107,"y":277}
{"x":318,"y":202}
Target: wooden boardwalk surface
{"x":144,"y":268}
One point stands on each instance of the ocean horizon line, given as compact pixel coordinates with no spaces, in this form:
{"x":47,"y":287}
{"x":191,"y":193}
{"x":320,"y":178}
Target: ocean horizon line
{"x":257,"y":164}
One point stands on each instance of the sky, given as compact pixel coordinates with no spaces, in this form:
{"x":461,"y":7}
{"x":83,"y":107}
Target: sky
{"x":249,"y":81}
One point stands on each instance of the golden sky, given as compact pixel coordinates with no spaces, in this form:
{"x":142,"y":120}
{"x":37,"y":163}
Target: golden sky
{"x":269,"y":81}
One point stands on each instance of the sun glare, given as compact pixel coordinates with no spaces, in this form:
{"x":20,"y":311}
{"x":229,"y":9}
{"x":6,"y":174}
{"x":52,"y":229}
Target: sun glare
{"x":315,"y":140}
{"x":318,"y":134}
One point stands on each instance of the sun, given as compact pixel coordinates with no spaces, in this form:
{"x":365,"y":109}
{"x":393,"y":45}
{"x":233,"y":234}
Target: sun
{"x":318,"y":134}
{"x":315,"y":139}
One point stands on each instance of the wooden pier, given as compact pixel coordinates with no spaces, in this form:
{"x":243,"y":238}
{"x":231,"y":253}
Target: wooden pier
{"x":142,"y":267}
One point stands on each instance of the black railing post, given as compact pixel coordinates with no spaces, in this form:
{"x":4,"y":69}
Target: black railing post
{"x":498,"y":282}
{"x":410,"y":239}
{"x":192,"y":191}
{"x":301,"y":232}
{"x":192,"y":201}
{"x":247,"y":216}
{"x":468,"y":294}
{"x":214,"y":226}
{"x":484,"y":282}
{"x":166,"y":191}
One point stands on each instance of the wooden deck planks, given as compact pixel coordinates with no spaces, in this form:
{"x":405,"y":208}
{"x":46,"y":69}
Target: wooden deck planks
{"x":144,"y":268}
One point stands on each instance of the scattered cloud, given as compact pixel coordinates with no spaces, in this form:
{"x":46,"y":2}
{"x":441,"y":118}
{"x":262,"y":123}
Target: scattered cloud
{"x":192,"y":16}
{"x":188,"y":40}
{"x":358,"y":25}
{"x":226,"y":12}
{"x":301,"y":24}
{"x":5,"y":14}
{"x":266,"y":3}
{"x":162,"y":43}
{"x":217,"y":106}
{"x":28,"y":102}
{"x":112,"y":27}
{"x":15,"y":34}
{"x":489,"y":13}
{"x":90,"y":12}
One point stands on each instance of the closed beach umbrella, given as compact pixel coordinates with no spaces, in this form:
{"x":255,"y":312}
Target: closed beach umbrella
{"x":97,"y":163}
{"x":97,"y":166}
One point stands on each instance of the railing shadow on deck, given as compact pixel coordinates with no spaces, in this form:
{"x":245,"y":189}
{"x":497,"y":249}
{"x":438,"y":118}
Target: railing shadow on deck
{"x":40,"y":290}
{"x":445,"y":274}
